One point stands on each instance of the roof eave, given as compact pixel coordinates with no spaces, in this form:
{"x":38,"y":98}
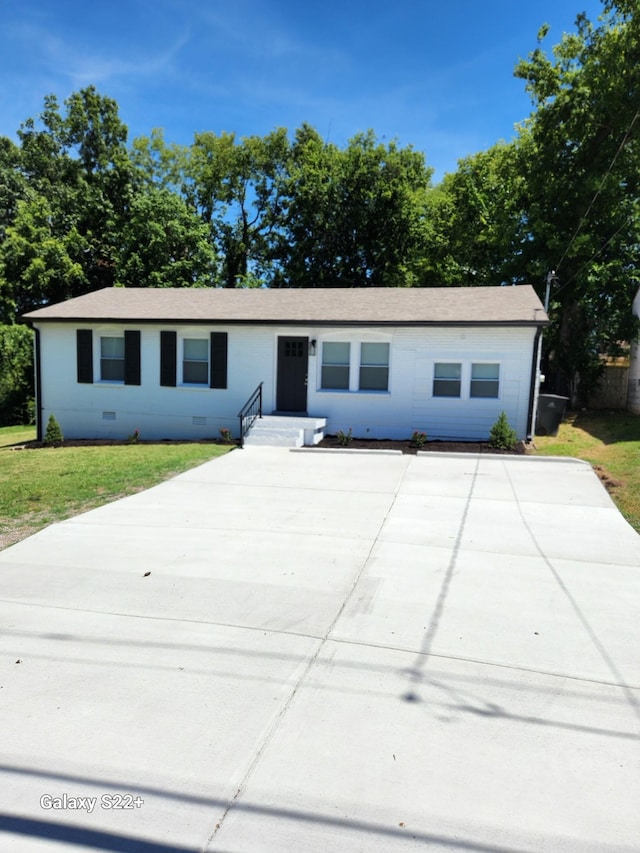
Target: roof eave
{"x":282,"y":322}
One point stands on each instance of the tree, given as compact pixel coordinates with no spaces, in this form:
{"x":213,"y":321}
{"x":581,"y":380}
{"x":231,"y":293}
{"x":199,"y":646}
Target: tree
{"x":164,"y":244}
{"x":13,"y":186}
{"x":237,"y":186}
{"x":39,"y":259}
{"x":354,"y":217}
{"x":75,"y":187}
{"x":580,"y":157}
{"x":16,"y":375}
{"x":475,"y":224}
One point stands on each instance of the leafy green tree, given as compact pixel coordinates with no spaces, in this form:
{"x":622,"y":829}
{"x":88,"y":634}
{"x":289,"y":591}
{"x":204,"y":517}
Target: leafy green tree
{"x":580,"y":158}
{"x":160,"y":165}
{"x":164,"y":244}
{"x":475,"y":222}
{"x":13,"y":186}
{"x":16,"y":374}
{"x":354,"y":217}
{"x":39,"y":259}
{"x":63,"y":237}
{"x":237,"y":187}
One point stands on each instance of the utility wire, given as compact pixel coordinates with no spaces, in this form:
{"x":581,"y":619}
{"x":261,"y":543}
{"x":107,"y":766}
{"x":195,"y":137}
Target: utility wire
{"x":595,"y":255}
{"x":597,"y":193}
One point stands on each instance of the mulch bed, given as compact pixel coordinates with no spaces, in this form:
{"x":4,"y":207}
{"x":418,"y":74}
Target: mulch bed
{"x":407,"y":446}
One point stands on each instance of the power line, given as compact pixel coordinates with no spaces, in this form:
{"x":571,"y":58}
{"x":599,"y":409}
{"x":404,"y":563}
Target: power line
{"x":597,"y":193}
{"x":595,"y":255}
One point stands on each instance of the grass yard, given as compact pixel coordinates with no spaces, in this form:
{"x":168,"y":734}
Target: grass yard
{"x":611,"y":443}
{"x":41,"y":485}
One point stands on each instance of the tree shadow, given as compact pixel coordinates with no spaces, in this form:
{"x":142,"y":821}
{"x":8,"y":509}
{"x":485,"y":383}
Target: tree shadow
{"x":609,"y":427}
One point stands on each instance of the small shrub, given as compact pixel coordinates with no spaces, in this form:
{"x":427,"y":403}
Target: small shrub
{"x":344,"y":438}
{"x":502,"y":436}
{"x":419,"y":438}
{"x":134,"y":438}
{"x":53,"y":436}
{"x":225,"y":435}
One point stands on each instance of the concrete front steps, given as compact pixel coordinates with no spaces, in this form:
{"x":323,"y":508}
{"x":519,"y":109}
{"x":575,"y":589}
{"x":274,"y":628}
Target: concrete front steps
{"x":286,"y":431}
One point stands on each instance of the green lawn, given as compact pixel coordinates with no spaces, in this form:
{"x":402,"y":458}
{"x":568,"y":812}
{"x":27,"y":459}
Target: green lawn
{"x":611,"y":443}
{"x":40,"y":485}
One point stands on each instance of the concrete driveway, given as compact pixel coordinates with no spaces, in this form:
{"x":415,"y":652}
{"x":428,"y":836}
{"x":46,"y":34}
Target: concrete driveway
{"x":316,"y":651}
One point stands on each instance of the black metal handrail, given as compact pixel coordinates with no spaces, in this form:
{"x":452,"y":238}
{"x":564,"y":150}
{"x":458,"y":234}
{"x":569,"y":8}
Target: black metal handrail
{"x":251,"y":410}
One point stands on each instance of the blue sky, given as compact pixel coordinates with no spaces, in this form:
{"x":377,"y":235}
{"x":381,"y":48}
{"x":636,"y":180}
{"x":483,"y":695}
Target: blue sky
{"x":433,"y":74}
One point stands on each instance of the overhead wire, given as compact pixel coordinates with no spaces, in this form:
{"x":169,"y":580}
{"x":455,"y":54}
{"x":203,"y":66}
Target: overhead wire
{"x":583,"y":219}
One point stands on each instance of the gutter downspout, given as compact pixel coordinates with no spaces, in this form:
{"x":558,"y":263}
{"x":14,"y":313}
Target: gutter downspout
{"x":535,"y":384}
{"x":38,"y":384}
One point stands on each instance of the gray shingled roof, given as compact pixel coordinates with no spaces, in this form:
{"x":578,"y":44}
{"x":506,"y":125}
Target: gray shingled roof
{"x":320,"y":306}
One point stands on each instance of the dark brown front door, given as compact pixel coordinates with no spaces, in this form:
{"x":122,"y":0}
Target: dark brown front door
{"x":293,"y":357}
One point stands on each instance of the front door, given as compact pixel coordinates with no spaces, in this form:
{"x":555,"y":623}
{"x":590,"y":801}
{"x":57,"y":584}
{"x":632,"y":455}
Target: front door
{"x":293,"y":357}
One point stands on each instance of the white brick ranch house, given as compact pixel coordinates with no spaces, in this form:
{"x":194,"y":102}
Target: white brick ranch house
{"x":181,"y":363}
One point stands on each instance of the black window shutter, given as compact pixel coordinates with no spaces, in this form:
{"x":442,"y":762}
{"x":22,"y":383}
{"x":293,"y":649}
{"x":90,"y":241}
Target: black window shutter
{"x":84,"y":349}
{"x":168,"y":351}
{"x":132,"y":358}
{"x":218,"y":360}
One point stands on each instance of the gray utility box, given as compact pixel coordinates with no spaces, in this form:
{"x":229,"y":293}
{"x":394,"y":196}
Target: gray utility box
{"x":551,"y":409}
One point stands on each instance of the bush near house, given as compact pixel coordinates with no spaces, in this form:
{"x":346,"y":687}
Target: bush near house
{"x":502,"y":436}
{"x":53,"y":437}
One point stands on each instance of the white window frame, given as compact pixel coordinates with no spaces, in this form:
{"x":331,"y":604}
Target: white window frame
{"x":355,"y":342}
{"x":497,"y":381}
{"x":435,"y":379}
{"x":347,"y":364}
{"x":362,"y":364}
{"x":183,"y":340}
{"x":110,"y":336}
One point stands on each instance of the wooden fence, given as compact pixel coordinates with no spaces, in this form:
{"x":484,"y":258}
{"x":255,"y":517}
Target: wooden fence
{"x":613,"y":387}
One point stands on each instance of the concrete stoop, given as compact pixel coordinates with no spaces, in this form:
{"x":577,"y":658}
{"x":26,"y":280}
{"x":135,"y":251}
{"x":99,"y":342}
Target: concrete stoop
{"x":285,"y":431}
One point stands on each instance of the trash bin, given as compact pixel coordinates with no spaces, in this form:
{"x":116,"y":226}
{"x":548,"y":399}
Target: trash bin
{"x":551,"y":408}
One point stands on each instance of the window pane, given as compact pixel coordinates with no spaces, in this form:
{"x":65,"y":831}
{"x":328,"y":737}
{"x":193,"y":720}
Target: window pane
{"x":196,"y":371}
{"x":484,"y":388}
{"x":336,"y":356}
{"x":112,"y":369}
{"x":374,"y":367}
{"x":447,"y":370}
{"x":446,"y":387}
{"x":112,"y":359}
{"x":335,"y":353}
{"x":335,"y":376}
{"x":196,"y":349}
{"x":374,"y":354}
{"x":485,"y":371}
{"x":195,"y":364}
{"x":485,"y":380}
{"x":112,"y":347}
{"x":374,"y":378}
